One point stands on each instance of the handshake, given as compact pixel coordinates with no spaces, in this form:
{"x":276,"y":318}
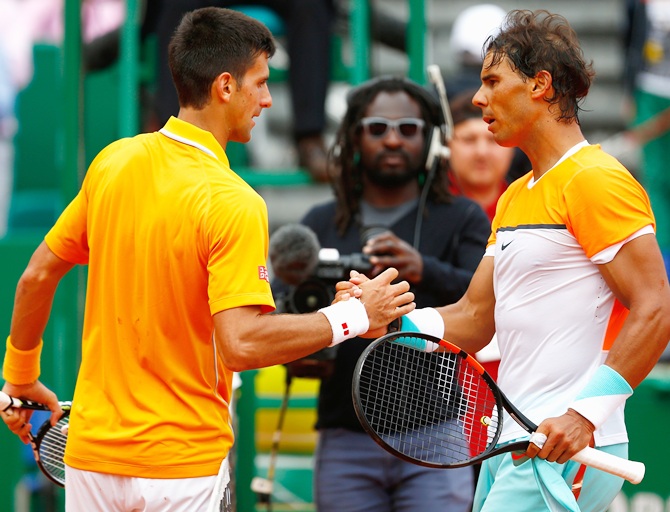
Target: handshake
{"x":322,"y":280}
{"x":312,"y":272}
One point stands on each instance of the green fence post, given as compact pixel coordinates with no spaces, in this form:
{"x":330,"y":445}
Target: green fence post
{"x":245,"y":442}
{"x":360,"y":41}
{"x":129,"y":72}
{"x":416,"y":40}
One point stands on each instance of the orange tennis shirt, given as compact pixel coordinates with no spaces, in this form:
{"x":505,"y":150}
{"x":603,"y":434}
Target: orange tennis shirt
{"x":171,"y":236}
{"x":556,"y":318}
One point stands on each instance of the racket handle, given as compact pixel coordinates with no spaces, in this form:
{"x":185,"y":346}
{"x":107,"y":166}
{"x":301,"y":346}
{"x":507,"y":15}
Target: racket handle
{"x":7,"y":401}
{"x":630,"y":470}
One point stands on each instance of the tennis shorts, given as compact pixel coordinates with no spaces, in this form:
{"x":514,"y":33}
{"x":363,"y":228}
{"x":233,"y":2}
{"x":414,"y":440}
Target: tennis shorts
{"x":513,"y":487}
{"x":86,"y":491}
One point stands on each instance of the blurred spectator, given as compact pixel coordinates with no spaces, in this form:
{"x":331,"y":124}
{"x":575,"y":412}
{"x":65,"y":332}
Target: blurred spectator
{"x":309,"y":30}
{"x":647,"y":79}
{"x":22,"y":24}
{"x":478,"y":166}
{"x":472,"y":27}
{"x":380,"y":150}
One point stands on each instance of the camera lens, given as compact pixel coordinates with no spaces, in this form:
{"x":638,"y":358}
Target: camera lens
{"x":311,"y":295}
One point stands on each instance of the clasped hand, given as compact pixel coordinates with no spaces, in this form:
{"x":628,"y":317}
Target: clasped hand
{"x":383,"y":300}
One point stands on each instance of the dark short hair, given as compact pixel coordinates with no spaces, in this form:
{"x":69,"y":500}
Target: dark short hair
{"x":210,"y":41}
{"x":533,"y":41}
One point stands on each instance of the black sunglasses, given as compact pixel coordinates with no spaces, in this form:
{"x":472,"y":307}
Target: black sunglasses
{"x":406,"y":127}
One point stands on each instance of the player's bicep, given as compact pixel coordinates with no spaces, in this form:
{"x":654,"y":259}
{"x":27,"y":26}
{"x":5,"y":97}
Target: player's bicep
{"x":643,"y":255}
{"x":638,"y":279}
{"x":235,"y":333}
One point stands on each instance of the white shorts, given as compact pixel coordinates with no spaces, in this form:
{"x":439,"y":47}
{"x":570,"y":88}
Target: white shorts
{"x":86,"y":491}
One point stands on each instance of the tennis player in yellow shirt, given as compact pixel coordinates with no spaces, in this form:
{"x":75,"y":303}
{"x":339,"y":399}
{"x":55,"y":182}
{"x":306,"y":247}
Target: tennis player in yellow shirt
{"x":176,"y":246}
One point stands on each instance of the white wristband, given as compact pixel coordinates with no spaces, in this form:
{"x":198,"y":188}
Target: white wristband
{"x":348,"y":319}
{"x":605,"y":392}
{"x":425,"y":320}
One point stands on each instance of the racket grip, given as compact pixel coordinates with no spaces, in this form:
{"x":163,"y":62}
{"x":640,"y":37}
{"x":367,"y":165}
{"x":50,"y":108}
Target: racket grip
{"x":7,"y":401}
{"x":630,"y":470}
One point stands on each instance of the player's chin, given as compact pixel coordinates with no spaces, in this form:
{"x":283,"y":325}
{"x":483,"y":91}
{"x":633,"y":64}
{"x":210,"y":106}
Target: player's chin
{"x":242,"y":136}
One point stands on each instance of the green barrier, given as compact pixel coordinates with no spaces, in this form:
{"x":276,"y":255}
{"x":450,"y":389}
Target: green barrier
{"x":20,"y":482}
{"x":647,"y":418}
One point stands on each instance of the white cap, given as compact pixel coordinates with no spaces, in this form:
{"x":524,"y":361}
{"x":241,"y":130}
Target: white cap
{"x":472,"y":27}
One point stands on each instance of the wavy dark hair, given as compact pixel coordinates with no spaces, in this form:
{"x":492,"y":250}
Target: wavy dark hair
{"x":343,"y":158}
{"x":534,"y":41}
{"x":210,"y":41}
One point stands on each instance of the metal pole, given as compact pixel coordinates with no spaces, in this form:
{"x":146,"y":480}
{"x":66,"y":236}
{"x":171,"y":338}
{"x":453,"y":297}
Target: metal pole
{"x":129,"y":71}
{"x":69,"y":312}
{"x":416,"y":40}
{"x":360,"y":41}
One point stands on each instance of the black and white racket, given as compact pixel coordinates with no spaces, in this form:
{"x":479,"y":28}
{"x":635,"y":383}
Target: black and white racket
{"x":49,"y":442}
{"x":427,"y":401}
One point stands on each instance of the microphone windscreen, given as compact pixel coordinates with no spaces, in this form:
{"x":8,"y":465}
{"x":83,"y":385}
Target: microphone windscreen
{"x":294,"y":253}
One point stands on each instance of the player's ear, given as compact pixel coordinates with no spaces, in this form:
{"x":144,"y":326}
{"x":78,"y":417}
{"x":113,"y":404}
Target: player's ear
{"x":223,"y":86}
{"x":542,"y":83}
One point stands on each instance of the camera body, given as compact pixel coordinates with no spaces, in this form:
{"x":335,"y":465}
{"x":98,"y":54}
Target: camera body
{"x":314,"y":293}
{"x":318,"y":290}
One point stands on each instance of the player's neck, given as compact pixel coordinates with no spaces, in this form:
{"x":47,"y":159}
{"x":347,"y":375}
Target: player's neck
{"x":202,"y":118}
{"x":548,"y":146}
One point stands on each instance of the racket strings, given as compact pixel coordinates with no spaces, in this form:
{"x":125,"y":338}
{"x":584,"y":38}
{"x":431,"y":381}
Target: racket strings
{"x":431,"y":407}
{"x":51,"y":448}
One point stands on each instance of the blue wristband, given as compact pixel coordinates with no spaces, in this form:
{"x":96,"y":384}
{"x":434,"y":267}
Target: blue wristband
{"x":605,"y":392}
{"x":425,"y":320}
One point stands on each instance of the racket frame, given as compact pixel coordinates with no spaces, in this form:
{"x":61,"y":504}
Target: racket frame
{"x":37,"y":439}
{"x":632,"y":471}
{"x":446,"y":346}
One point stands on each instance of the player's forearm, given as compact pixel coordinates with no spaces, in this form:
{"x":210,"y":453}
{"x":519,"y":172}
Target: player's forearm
{"x":467,"y":327}
{"x":470,"y":323}
{"x":641,"y":342}
{"x":32,"y":307}
{"x":267,"y":340}
{"x":34,"y":297}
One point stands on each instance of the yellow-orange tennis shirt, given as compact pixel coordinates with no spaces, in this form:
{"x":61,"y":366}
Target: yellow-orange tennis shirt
{"x":171,"y":236}
{"x":555,"y":316}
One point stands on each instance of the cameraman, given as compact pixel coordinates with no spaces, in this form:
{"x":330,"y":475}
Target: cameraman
{"x":379,"y":158}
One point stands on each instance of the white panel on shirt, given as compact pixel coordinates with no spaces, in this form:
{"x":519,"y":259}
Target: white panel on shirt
{"x":550,"y":324}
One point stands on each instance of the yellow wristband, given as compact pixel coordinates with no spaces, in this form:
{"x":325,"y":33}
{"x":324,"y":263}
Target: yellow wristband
{"x":21,"y":366}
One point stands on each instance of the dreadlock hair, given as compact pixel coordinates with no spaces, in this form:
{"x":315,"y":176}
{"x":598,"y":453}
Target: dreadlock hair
{"x":533,"y":41}
{"x":348,"y":183}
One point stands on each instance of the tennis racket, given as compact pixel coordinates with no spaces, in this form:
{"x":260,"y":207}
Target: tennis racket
{"x":49,"y":442}
{"x":427,"y":401}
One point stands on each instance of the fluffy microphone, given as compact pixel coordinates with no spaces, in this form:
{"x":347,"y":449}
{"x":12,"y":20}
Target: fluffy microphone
{"x":294,"y":253}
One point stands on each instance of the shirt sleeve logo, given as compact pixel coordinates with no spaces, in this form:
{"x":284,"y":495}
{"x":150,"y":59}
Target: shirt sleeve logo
{"x":263,"y":273}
